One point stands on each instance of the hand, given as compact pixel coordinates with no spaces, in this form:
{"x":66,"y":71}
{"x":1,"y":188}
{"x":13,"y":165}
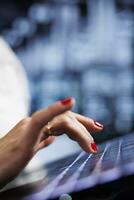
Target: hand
{"x":29,"y":135}
{"x":77,"y":127}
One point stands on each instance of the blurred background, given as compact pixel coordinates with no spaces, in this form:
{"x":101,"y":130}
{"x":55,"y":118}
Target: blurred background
{"x":80,"y":48}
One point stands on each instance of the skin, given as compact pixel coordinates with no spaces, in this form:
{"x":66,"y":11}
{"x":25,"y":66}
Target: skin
{"x":30,"y":135}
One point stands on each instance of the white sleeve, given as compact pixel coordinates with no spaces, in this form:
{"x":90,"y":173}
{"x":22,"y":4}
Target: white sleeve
{"x":14,"y":91}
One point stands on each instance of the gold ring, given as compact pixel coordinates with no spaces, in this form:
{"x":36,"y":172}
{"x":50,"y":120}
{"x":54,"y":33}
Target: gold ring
{"x":49,"y":133}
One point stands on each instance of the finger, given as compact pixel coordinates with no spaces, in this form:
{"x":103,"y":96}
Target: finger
{"x":42,"y":117}
{"x":60,"y":122}
{"x":74,"y":129}
{"x":78,"y":132}
{"x":45,"y":133}
{"x":89,"y":123}
{"x":67,"y":123}
{"x":46,"y":142}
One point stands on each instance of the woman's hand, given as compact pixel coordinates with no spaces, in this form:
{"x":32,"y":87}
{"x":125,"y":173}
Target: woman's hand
{"x":31,"y":134}
{"x":77,"y":127}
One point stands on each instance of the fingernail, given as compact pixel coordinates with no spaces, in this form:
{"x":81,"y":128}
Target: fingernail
{"x":94,"y":146}
{"x":98,"y":124}
{"x":66,"y":101}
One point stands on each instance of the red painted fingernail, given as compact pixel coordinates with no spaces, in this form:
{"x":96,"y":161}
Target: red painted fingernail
{"x":66,"y":101}
{"x":94,"y":146}
{"x":98,"y":124}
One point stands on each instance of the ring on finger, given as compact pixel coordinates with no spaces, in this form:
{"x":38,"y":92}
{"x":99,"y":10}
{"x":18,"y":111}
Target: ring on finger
{"x":49,"y":132}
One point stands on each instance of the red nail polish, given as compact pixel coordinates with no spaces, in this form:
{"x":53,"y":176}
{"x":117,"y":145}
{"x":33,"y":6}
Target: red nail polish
{"x":94,"y":146}
{"x":66,"y":101}
{"x":98,"y":124}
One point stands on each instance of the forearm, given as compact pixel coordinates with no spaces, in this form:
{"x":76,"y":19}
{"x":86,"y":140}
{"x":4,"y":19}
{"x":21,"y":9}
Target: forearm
{"x":12,"y":160}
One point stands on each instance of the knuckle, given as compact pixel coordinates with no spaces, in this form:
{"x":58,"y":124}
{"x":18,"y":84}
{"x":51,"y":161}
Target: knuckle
{"x":65,"y":121}
{"x":69,"y":114}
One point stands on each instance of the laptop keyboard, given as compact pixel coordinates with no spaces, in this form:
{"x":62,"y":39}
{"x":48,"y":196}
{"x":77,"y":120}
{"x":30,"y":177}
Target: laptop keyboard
{"x":83,"y":170}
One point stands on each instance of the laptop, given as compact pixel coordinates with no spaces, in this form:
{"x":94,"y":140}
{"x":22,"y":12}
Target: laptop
{"x":109,"y":174}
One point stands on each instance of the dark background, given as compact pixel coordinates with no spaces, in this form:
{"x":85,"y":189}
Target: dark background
{"x":76,"y":48}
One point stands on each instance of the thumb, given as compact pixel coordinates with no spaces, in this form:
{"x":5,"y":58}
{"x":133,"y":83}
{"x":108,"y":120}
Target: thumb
{"x":42,"y":117}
